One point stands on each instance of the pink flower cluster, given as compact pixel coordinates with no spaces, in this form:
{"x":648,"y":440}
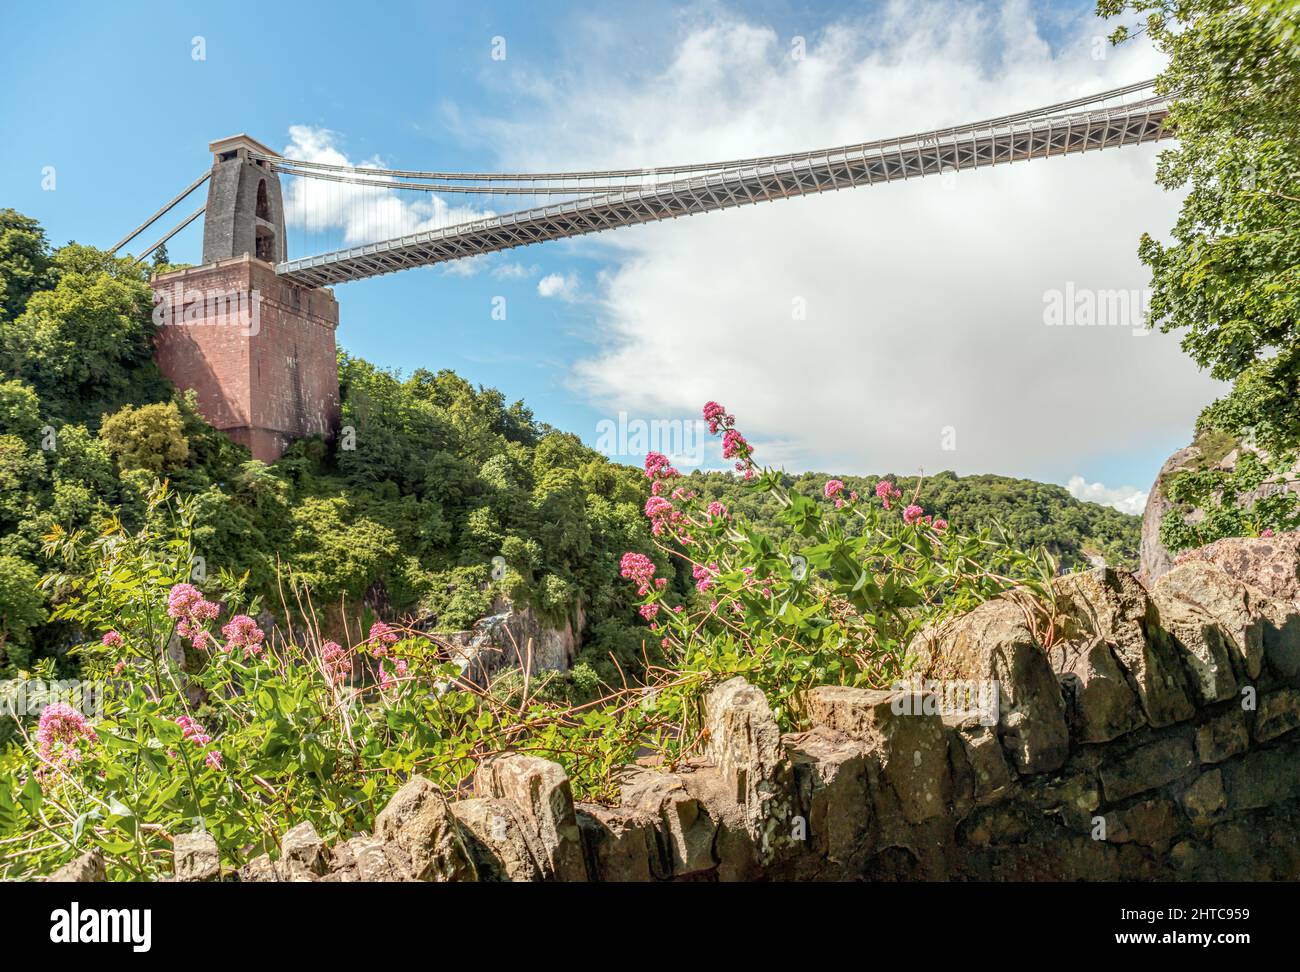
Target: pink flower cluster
{"x":241,"y":631}
{"x":198,"y":736}
{"x":639,"y":569}
{"x":192,"y":611}
{"x":382,"y":638}
{"x":649,"y":611}
{"x":388,"y":679}
{"x":60,"y":729}
{"x":912,"y":514}
{"x":734,"y":445}
{"x":658,"y":467}
{"x":111,"y":639}
{"x":716,"y":416}
{"x":192,"y":731}
{"x":717,"y":510}
{"x":337,"y":662}
{"x":704,"y":576}
{"x":833,"y":489}
{"x":887,"y":492}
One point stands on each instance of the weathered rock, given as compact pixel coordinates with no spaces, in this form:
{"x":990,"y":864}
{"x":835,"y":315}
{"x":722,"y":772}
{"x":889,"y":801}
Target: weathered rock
{"x":1074,"y":797}
{"x":1222,"y":736}
{"x":735,"y":847}
{"x":540,"y":791}
{"x":1225,"y":599}
{"x":404,"y":805}
{"x":621,"y":843}
{"x":687,"y":830}
{"x":1112,"y":604}
{"x":195,"y":857}
{"x":418,"y":821}
{"x":1155,"y":557}
{"x":1147,"y":767}
{"x":1279,"y":713}
{"x":260,"y":869}
{"x":435,"y":843}
{"x":1261,"y":778}
{"x":978,"y":746}
{"x":744,"y":743}
{"x":1205,"y":798}
{"x":496,"y":840}
{"x":1149,"y":822}
{"x":87,"y":868}
{"x":1271,"y":564}
{"x":1207,"y":648}
{"x":302,"y":846}
{"x":993,"y":642}
{"x":1099,"y":701}
{"x":830,"y":773}
{"x":374,"y":859}
{"x":910,"y":747}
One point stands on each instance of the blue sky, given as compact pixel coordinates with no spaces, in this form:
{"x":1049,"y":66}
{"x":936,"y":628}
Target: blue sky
{"x":111,"y":97}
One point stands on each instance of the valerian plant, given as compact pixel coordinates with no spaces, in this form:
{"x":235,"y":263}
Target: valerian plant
{"x":244,"y":732}
{"x":839,"y":607}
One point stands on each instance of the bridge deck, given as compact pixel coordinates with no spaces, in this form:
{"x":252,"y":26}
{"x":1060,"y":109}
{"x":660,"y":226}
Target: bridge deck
{"x":909,"y":158}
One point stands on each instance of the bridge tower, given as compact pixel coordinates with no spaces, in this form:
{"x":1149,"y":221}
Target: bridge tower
{"x":257,"y":348}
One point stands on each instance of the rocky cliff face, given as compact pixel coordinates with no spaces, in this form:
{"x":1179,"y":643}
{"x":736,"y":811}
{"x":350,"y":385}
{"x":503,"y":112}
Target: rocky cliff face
{"x":1216,"y":451}
{"x":514,"y":637}
{"x":1154,"y":738}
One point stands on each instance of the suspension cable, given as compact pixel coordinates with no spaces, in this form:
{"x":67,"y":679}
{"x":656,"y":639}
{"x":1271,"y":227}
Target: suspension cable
{"x":734,"y":163}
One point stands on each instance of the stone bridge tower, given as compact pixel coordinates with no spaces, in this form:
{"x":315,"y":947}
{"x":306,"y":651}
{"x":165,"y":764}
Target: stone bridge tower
{"x":257,"y":349}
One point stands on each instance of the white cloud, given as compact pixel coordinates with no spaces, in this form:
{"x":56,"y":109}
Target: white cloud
{"x":924,"y":299}
{"x":513,"y":271}
{"x":557,"y":285}
{"x":1126,"y":499}
{"x":337,"y":214}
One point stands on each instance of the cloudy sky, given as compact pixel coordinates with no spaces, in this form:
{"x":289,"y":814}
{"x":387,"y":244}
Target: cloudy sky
{"x":895,"y":328}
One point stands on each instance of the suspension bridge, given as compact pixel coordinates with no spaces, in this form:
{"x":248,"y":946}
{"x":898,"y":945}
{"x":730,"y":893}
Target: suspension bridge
{"x":347,"y":222}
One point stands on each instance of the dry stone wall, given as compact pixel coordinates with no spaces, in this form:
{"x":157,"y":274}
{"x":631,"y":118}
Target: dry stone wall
{"x":1154,"y":739}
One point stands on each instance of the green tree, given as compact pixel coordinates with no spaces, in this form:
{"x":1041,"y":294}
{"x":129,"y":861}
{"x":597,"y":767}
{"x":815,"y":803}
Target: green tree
{"x":150,"y":437}
{"x":1229,"y":279}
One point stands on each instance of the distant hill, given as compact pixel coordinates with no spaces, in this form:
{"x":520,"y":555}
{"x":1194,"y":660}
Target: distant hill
{"x":1033,"y":514}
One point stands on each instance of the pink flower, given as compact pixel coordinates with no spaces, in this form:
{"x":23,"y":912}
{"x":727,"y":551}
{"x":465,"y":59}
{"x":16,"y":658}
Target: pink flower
{"x":657,"y":466}
{"x":111,"y":639}
{"x":639,"y":569}
{"x":657,"y":506}
{"x":241,"y":631}
{"x":213,"y":760}
{"x":388,"y":679}
{"x":940,"y":524}
{"x":336,"y":661}
{"x":912,"y":514}
{"x":853,"y":496}
{"x":832,"y":487}
{"x":62,"y":725}
{"x":192,"y":611}
{"x":192,"y":732}
{"x":717,"y":510}
{"x":716,"y":416}
{"x":884,"y":488}
{"x":1267,"y":532}
{"x":704,"y":576}
{"x":382,"y":637}
{"x":649,"y":611}
{"x":733,"y":445}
